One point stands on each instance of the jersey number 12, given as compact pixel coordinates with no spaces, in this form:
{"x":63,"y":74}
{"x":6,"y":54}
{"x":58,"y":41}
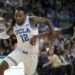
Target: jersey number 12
{"x":24,"y":37}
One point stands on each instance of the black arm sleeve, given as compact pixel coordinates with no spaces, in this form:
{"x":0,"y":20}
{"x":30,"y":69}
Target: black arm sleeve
{"x":69,"y":31}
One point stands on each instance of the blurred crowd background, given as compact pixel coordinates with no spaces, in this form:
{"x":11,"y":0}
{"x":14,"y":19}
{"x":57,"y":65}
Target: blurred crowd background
{"x":57,"y":55}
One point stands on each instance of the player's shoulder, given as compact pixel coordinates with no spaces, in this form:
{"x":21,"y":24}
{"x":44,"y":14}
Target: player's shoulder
{"x":37,"y":18}
{"x":34,"y":18}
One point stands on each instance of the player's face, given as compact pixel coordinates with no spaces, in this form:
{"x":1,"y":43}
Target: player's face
{"x":19,"y":17}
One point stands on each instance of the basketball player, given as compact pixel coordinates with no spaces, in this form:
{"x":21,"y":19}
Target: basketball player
{"x":27,"y":41}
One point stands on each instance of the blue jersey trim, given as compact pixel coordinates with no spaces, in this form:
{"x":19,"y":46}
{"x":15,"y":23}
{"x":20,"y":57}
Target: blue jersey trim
{"x":12,"y":60}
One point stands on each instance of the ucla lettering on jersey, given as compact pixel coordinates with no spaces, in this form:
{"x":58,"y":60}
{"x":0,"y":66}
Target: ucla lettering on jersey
{"x":21,"y":31}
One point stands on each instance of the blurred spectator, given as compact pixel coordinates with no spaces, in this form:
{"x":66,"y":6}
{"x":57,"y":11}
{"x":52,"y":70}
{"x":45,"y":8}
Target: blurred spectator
{"x":67,"y":65}
{"x":43,"y":67}
{"x":56,"y":63}
{"x":7,"y":47}
{"x":2,"y":24}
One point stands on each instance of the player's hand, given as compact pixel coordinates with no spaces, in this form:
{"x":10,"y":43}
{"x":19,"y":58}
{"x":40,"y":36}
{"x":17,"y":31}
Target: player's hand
{"x":33,"y":41}
{"x":54,"y":34}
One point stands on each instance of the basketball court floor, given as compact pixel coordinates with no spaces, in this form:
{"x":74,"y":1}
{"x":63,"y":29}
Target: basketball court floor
{"x":15,"y":70}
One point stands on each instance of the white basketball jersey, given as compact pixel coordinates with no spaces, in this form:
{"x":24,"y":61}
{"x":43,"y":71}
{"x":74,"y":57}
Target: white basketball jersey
{"x":24,"y":33}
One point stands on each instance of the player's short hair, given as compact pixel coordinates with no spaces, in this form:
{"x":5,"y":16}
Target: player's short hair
{"x":22,"y":8}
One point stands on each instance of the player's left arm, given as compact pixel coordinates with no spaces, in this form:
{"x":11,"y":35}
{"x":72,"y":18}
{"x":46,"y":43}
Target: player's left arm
{"x":42,"y":20}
